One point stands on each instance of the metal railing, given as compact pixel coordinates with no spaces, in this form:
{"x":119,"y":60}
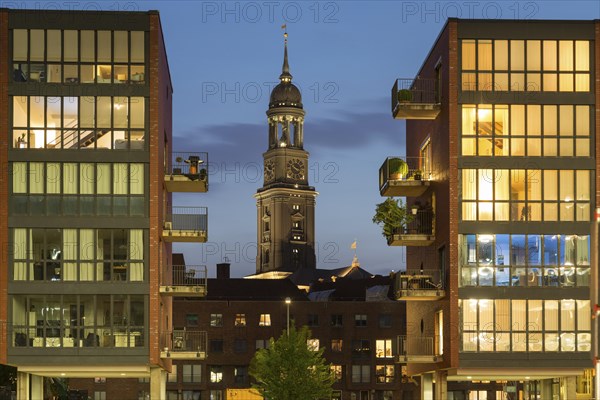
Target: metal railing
{"x":187,"y":219}
{"x":193,"y":165}
{"x":184,"y":341}
{"x":420,"y":280}
{"x":416,"y":91}
{"x":420,"y":223}
{"x":418,"y":346}
{"x":189,"y":275}
{"x":403,"y":168}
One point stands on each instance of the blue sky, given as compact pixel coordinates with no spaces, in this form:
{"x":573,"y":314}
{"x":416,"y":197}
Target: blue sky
{"x":225,"y":56}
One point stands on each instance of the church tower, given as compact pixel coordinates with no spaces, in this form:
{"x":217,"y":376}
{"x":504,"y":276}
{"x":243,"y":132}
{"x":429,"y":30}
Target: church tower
{"x":285,"y":203}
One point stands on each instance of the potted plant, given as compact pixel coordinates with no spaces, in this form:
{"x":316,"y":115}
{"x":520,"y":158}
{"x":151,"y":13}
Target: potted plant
{"x":397,"y":168}
{"x":418,"y":175}
{"x":202,"y":174}
{"x":405,"y":96}
{"x":392,"y":215}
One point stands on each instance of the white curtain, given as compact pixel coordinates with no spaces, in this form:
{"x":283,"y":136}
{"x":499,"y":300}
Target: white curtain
{"x":86,"y":253}
{"x":20,"y":253}
{"x":103,"y":178}
{"x":99,"y":256}
{"x":69,"y":178}
{"x":19,"y":177}
{"x":36,"y":178}
{"x":87,"y":178}
{"x":53,"y":178}
{"x":136,"y":252}
{"x":70,"y":249}
{"x":136,"y":178}
{"x":120,"y":178}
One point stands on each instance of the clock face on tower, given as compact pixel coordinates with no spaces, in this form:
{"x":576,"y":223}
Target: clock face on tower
{"x":269,"y":171}
{"x":295,"y":169}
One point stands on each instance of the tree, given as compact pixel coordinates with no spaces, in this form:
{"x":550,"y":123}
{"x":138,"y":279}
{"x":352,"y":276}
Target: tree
{"x":392,"y":215}
{"x":289,"y":370}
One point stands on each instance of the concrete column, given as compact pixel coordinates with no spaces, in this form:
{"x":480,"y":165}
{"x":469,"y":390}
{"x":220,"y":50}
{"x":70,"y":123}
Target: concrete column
{"x":158,"y":383}
{"x":546,"y":388}
{"x":427,"y":387}
{"x":441,"y":385}
{"x":569,"y":388}
{"x":37,"y":386}
{"x":22,"y":386}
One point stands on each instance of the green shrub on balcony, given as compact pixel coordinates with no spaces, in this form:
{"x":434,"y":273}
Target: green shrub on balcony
{"x":397,"y":168}
{"x":405,"y":96}
{"x":392,"y":216}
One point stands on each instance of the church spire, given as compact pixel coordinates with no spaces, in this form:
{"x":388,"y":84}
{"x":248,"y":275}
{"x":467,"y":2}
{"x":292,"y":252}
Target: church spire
{"x":285,"y":70}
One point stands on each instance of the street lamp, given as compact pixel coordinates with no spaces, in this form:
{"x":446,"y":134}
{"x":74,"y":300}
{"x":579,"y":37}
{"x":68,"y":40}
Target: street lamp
{"x":288,"y":301}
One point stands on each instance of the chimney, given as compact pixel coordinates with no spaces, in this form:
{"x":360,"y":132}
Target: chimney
{"x":223,"y":270}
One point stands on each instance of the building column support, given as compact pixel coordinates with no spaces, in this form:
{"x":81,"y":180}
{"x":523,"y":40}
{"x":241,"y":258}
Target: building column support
{"x":37,"y":386}
{"x":158,"y":383}
{"x":569,"y":388}
{"x":441,"y":385}
{"x":427,"y":387}
{"x":23,"y":386}
{"x":546,"y":388}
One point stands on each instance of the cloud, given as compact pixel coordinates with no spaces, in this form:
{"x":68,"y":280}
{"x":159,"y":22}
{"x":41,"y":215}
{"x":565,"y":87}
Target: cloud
{"x":245,"y":142}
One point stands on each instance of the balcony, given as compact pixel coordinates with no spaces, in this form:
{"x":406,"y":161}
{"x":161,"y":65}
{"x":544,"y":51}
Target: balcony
{"x":186,"y":224}
{"x":183,"y":344}
{"x":419,"y":349}
{"x":420,"y":285}
{"x":187,"y":173}
{"x":186,"y":281}
{"x":403,"y":177}
{"x":419,"y":231}
{"x":415,"y":99}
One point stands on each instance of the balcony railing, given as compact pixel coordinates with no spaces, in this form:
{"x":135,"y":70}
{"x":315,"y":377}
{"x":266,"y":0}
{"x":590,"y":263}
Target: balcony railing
{"x":420,"y":231}
{"x":183,"y":344}
{"x":419,"y":349}
{"x":188,"y":172}
{"x":403,"y":176}
{"x":420,"y":285}
{"x":415,"y":99}
{"x":186,"y":224}
{"x":187,"y":280}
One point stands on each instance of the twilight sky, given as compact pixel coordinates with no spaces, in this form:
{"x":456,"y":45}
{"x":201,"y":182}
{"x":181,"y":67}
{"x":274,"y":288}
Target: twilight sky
{"x":226,"y":56}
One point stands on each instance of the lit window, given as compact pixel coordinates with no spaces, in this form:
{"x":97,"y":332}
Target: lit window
{"x":295,"y":207}
{"x":216,"y":320}
{"x":265,"y":320}
{"x":313,"y":344}
{"x":337,"y":372}
{"x":384,"y":373}
{"x":240,"y":319}
{"x":216,"y":374}
{"x":336,"y":344}
{"x":99,"y":380}
{"x":383,"y":348}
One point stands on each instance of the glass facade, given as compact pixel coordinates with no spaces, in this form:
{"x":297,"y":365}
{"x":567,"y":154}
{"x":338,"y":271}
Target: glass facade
{"x":79,"y":320}
{"x":525,"y":65}
{"x":525,"y":160}
{"x":72,"y":56}
{"x":54,"y":188}
{"x":534,"y":130}
{"x":86,"y":122}
{"x":525,"y":260}
{"x":504,"y":325}
{"x":85,"y":255}
{"x":525,"y":195}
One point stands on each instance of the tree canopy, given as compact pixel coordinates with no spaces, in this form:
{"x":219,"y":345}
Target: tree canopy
{"x":289,"y":370}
